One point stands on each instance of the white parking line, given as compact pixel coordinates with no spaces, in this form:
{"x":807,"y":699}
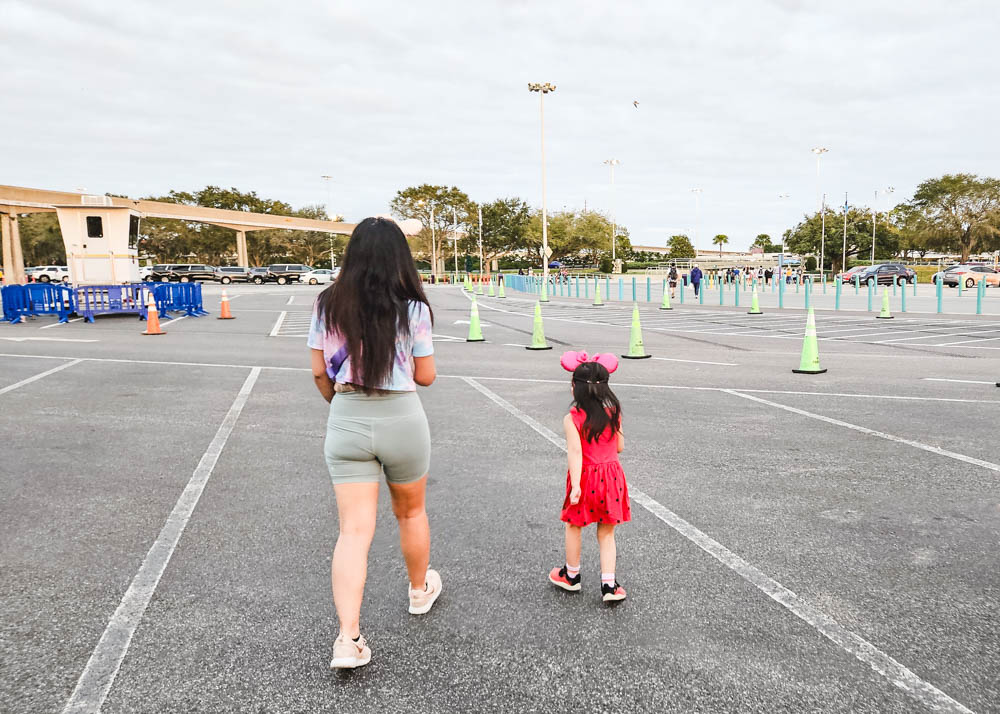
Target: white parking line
{"x":99,"y":674}
{"x":277,"y":324}
{"x":898,"y":674}
{"x":962,"y":342}
{"x":871,"y":432}
{"x":44,"y":339}
{"x":961,"y":381}
{"x":696,"y":361}
{"x":291,"y":299}
{"x":40,"y":375}
{"x":56,"y":324}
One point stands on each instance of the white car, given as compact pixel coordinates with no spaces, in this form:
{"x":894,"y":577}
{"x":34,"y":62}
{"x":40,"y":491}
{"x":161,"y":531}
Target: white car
{"x":314,"y":277}
{"x":49,"y":274}
{"x":146,"y":274}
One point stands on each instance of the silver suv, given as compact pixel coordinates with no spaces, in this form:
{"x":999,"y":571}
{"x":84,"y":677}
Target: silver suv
{"x":229,"y":274}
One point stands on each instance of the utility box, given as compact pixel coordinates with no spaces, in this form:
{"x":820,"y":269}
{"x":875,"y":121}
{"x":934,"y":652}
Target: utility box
{"x":101,"y":241}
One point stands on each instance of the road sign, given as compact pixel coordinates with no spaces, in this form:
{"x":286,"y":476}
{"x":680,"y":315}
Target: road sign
{"x":545,"y":252}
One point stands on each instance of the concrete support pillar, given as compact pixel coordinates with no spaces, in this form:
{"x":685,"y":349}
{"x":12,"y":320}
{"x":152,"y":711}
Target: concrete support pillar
{"x":8,"y":251}
{"x":241,"y":249}
{"x":18,"y":254}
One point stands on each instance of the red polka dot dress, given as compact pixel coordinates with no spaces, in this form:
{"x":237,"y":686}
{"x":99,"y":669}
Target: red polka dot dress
{"x":604,"y":493}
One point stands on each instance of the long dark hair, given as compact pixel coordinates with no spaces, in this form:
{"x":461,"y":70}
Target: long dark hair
{"x":592,"y":394}
{"x":368,"y":305}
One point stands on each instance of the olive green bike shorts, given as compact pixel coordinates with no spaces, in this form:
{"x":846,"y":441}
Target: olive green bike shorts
{"x":367,"y":436}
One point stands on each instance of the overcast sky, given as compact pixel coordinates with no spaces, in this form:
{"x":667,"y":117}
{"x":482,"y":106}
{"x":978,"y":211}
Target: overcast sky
{"x":140,"y":97}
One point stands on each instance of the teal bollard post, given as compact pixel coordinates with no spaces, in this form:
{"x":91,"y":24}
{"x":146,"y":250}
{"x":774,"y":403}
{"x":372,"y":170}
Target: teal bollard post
{"x":980,"y":293}
{"x":960,"y":281}
{"x":586,"y":289}
{"x":857,"y":284}
{"x":797,"y":282}
{"x":914,"y":286}
{"x":781,"y":293}
{"x":620,"y":288}
{"x":870,"y":285}
{"x":808,"y":291}
{"x":736,"y":295}
{"x":721,"y":286}
{"x":895,"y":280}
{"x":607,"y":286}
{"x":823,"y":278}
{"x":902,"y":298}
{"x":648,"y":290}
{"x":664,"y":289}
{"x":578,"y":286}
{"x":940,"y":294}
{"x":837,"y":286}
{"x":701,"y":292}
{"x":633,"y":289}
{"x":683,"y":283}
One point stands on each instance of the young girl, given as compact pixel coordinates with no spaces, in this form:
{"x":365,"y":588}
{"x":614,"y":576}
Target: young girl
{"x":596,"y":491}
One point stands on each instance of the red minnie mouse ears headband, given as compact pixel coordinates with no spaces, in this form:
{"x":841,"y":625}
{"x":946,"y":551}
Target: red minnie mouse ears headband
{"x":571,"y":360}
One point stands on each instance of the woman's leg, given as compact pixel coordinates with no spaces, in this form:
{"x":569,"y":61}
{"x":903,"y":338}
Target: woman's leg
{"x":414,"y":530}
{"x":606,"y":544}
{"x":356,"y":506}
{"x":574,"y":536}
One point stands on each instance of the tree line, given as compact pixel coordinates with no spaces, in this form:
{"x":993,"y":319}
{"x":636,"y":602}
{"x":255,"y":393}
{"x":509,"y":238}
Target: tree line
{"x":956,"y":213}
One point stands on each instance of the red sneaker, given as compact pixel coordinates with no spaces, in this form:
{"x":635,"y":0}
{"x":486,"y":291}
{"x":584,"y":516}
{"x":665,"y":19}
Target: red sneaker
{"x":560,"y":578}
{"x":612,"y":593}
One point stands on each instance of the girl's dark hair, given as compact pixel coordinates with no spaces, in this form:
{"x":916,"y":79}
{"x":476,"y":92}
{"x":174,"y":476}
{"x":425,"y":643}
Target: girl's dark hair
{"x":592,"y":394}
{"x":368,"y":304}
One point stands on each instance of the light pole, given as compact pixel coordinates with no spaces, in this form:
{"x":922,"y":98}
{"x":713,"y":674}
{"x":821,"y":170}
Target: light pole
{"x":822,"y":240}
{"x":433,"y":239}
{"x":543,"y":89}
{"x":819,"y":151}
{"x":888,"y":190}
{"x":329,"y":214}
{"x":874,"y":223}
{"x":454,"y":237}
{"x":611,"y":163}
{"x":697,"y":215}
{"x":781,"y":256}
{"x":480,"y":211}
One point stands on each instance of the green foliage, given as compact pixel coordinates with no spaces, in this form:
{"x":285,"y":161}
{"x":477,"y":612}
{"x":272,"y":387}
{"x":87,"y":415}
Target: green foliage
{"x":960,"y":212}
{"x":720,"y":240}
{"x":806,"y":237}
{"x":450,"y":208}
{"x":605,"y":265}
{"x":505,"y":229}
{"x":811,"y":264}
{"x":41,"y":239}
{"x":578,"y":235}
{"x":763,"y":240}
{"x":681,"y":247}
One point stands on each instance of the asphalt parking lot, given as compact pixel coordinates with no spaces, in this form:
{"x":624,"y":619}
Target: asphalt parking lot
{"x":799,"y":542}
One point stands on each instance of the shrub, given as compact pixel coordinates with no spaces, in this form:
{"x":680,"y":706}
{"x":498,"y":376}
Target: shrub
{"x":810,"y":264}
{"x":606,"y":266}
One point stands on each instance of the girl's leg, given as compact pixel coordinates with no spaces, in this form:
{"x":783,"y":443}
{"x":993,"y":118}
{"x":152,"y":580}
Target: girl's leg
{"x":606,"y":544}
{"x":574,"y":537}
{"x":414,"y":530}
{"x":356,"y":506}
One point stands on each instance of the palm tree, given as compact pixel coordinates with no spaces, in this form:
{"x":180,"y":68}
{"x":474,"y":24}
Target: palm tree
{"x":720,"y":240}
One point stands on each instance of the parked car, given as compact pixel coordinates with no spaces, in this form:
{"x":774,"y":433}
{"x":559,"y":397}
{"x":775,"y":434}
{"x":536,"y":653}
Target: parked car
{"x":259,"y":275}
{"x":848,"y":276}
{"x":970,"y":275}
{"x":48,"y":273}
{"x":283,"y":273}
{"x":160,"y":273}
{"x":887,"y":273}
{"x":943,"y":273}
{"x":189,"y":272}
{"x":145,"y":273}
{"x":321,"y":275}
{"x":228,"y":274}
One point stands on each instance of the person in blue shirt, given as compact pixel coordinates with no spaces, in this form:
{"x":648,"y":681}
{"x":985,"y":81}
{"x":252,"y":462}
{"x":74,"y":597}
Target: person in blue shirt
{"x":695,"y":278}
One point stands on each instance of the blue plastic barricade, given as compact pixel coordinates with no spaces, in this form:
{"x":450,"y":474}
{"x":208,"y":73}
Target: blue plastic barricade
{"x":51,"y":299}
{"x":15,"y":303}
{"x":92,"y":300}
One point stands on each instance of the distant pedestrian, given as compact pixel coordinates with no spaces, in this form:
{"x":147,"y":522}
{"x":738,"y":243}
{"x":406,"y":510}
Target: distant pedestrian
{"x":596,"y":491}
{"x":520,"y":271}
{"x":672,"y":277}
{"x":370,"y":350}
{"x":695,"y":277}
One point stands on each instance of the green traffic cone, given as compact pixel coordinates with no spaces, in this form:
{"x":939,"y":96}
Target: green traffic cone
{"x":636,"y":350}
{"x":468,"y":284}
{"x":597,"y":295}
{"x":884,"y":315}
{"x":492,"y":291}
{"x":665,"y":303}
{"x":479,"y":286}
{"x":809,"y":363}
{"x":503,"y":293}
{"x":754,"y":305}
{"x":538,"y":331}
{"x":475,"y":332}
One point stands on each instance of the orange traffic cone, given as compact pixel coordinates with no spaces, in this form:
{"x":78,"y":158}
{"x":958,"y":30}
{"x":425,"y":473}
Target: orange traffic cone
{"x":152,"y":316}
{"x":224,"y":313}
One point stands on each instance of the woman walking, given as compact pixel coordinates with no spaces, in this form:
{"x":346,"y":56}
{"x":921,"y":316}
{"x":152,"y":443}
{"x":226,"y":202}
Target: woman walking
{"x":371,"y":347}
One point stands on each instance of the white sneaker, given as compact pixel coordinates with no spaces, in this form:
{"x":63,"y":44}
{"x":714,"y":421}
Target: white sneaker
{"x":421,"y":601}
{"x":348,"y":654}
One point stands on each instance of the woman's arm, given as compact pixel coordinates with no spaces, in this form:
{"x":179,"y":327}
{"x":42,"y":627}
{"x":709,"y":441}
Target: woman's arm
{"x":424,"y":371}
{"x":621,"y":441}
{"x":323,"y":382}
{"x":574,"y":454}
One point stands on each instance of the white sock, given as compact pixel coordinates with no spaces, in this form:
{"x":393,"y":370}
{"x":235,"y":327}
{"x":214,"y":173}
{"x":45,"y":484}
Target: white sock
{"x":572,"y":571}
{"x":608,"y":579}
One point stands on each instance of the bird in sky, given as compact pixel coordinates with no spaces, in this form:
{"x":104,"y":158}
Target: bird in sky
{"x":636,"y":103}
